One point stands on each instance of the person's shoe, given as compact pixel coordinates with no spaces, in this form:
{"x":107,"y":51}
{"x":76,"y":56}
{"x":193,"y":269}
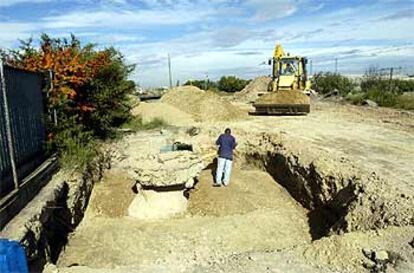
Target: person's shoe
{"x":216,"y":185}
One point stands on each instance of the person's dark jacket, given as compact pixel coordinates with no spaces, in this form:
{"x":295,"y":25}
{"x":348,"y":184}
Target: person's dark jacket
{"x":227,"y":144}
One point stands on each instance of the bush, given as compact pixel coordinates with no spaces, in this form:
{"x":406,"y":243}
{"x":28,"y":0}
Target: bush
{"x":375,"y":79}
{"x":388,"y":99}
{"x":231,"y":84}
{"x":90,"y":92}
{"x":404,"y":86}
{"x":203,"y":84}
{"x":137,"y":124}
{"x":109,"y":96}
{"x":405,"y":101}
{"x":91,"y":85}
{"x":327,"y":82}
{"x":226,"y":83}
{"x":378,"y":87}
{"x":356,"y":98}
{"x":76,"y":147}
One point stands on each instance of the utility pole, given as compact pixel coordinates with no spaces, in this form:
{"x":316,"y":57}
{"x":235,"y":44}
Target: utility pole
{"x":169,"y":70}
{"x":310,"y":67}
{"x":336,"y":65}
{"x":206,"y":83}
{"x":390,"y":83}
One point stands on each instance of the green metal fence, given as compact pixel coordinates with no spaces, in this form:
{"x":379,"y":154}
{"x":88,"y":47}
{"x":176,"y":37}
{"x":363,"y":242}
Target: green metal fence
{"x":22,"y":130}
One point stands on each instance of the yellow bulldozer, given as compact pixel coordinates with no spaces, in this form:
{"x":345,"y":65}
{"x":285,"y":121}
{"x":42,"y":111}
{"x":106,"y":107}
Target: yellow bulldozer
{"x":286,"y":94}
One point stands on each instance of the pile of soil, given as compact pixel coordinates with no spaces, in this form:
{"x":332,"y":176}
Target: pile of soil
{"x":251,"y":92}
{"x":166,"y":112}
{"x":284,"y":97}
{"x":201,"y":105}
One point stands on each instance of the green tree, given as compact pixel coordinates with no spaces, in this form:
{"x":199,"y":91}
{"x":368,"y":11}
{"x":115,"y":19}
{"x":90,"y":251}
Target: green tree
{"x":327,"y":82}
{"x":231,"y":84}
{"x":202,"y":84}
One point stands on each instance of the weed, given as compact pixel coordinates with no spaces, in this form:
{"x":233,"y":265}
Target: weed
{"x":138,"y":124}
{"x":405,"y":101}
{"x":76,"y":148}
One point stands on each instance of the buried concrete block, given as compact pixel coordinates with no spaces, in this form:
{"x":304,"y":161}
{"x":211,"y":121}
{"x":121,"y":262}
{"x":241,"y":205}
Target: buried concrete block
{"x":381,"y":256}
{"x":166,"y":169}
{"x":152,"y":205}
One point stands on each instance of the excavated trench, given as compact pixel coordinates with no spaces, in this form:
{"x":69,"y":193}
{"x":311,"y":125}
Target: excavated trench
{"x":326,"y":204}
{"x":254,"y":213}
{"x":340,"y":196}
{"x":330,"y":205}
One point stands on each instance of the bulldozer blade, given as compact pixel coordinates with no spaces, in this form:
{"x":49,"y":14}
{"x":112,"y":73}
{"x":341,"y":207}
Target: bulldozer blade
{"x":281,"y":109}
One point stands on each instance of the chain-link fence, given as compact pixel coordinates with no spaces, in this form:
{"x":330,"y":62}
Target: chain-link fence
{"x":22,"y":128}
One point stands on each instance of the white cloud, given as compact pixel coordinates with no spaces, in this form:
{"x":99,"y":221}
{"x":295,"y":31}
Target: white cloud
{"x":10,"y":32}
{"x":228,"y":37}
{"x":6,"y":3}
{"x":272,"y":9}
{"x":399,"y":15}
{"x":124,"y":18}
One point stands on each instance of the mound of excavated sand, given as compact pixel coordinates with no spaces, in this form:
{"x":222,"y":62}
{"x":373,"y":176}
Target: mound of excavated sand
{"x":201,"y":105}
{"x":251,"y":92}
{"x":164,"y":111}
{"x":284,"y":97}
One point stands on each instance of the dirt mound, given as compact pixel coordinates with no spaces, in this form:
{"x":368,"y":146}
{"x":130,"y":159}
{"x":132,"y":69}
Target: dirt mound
{"x":284,"y":97}
{"x":172,"y":115}
{"x":201,"y":105}
{"x":251,"y":92}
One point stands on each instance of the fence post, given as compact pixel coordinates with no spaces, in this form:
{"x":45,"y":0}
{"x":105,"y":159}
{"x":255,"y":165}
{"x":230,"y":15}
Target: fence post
{"x":53,"y":113}
{"x":9,"y":136}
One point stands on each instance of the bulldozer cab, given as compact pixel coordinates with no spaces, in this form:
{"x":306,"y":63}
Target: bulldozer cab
{"x":289,"y":73}
{"x":288,"y":68}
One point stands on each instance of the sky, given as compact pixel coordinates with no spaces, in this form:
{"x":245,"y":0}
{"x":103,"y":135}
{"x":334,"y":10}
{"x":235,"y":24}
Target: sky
{"x":211,"y":38}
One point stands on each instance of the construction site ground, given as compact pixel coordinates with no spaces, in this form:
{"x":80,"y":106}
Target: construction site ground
{"x":254,"y":225}
{"x":377,"y":139}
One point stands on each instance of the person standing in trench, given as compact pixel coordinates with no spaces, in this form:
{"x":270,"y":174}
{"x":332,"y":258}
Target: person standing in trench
{"x":227,"y":143}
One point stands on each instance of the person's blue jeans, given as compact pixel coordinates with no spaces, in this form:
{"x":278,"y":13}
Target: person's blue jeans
{"x":223,"y":167}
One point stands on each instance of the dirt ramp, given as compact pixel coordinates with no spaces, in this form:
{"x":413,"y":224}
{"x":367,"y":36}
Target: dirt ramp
{"x":202,"y":105}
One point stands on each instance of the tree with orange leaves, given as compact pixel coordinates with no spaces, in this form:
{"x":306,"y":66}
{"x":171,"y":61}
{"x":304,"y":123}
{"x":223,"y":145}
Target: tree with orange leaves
{"x":90,"y":86}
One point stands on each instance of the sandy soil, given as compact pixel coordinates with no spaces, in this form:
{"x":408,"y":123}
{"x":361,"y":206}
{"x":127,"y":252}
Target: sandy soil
{"x":254,"y":225}
{"x":253,"y":214}
{"x":164,"y":111}
{"x":111,"y":197}
{"x":250,"y":190}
